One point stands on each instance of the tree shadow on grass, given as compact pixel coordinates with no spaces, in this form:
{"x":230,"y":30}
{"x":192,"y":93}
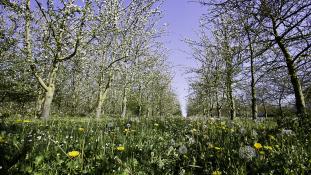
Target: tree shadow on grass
{"x":10,"y":155}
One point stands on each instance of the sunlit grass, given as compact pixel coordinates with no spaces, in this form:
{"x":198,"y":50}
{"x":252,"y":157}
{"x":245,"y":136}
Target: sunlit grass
{"x":169,"y":145}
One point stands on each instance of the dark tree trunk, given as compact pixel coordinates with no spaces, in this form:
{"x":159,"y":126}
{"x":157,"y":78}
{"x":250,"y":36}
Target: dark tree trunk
{"x":299,"y":98}
{"x":253,"y":85}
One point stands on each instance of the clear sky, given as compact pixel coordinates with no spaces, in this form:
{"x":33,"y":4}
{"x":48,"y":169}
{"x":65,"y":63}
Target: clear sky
{"x":182,"y":17}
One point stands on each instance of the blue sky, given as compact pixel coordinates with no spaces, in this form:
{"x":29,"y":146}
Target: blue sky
{"x":182,"y":17}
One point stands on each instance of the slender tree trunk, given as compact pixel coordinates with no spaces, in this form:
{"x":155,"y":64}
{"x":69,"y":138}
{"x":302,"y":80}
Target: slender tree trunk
{"x":265,"y":108}
{"x":232,"y":103}
{"x":211,"y":107}
{"x":124,"y":103}
{"x":280,"y":102}
{"x":139,"y":102}
{"x":75,"y":96}
{"x":299,"y":97}
{"x":253,"y":88}
{"x":230,"y":92}
{"x":102,"y":96}
{"x":218,"y":110}
{"x":148,"y":112}
{"x":205,"y":108}
{"x":149,"y":101}
{"x":217,"y":104}
{"x":229,"y":78}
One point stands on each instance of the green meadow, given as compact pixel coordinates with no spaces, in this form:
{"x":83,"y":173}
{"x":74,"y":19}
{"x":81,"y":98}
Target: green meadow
{"x":171,"y":145}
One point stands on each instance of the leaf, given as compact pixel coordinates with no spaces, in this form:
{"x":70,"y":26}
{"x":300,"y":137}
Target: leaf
{"x":38,"y":160}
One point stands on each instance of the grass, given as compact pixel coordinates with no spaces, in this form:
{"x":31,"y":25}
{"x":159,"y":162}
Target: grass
{"x":170,"y":145}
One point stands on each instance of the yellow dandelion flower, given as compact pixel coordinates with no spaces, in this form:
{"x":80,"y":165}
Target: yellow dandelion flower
{"x":268,"y":147}
{"x":73,"y":154}
{"x":81,"y":129}
{"x":257,"y":145}
{"x":27,"y":121}
{"x":216,"y":172}
{"x":120,"y":148}
{"x":126,"y":130}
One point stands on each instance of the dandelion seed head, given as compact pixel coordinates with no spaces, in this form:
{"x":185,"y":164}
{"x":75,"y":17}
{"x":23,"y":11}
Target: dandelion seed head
{"x":183,"y":149}
{"x":247,"y":153}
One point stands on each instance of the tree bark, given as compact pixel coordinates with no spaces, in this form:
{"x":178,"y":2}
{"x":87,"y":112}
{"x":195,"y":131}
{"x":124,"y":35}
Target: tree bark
{"x":46,"y":107}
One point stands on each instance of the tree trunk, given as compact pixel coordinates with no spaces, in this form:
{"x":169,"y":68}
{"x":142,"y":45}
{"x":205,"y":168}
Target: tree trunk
{"x":101,"y":98}
{"x":49,"y":91}
{"x":300,"y":102}
{"x":211,"y":108}
{"x":102,"y":95}
{"x":280,"y":102}
{"x":39,"y":103}
{"x":230,"y":93}
{"x":265,"y":108}
{"x":148,"y":112}
{"x":218,"y":108}
{"x":229,"y":78}
{"x":232,"y":104}
{"x":140,"y":102}
{"x":46,"y":107}
{"x":124,"y":103}
{"x":253,"y":88}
